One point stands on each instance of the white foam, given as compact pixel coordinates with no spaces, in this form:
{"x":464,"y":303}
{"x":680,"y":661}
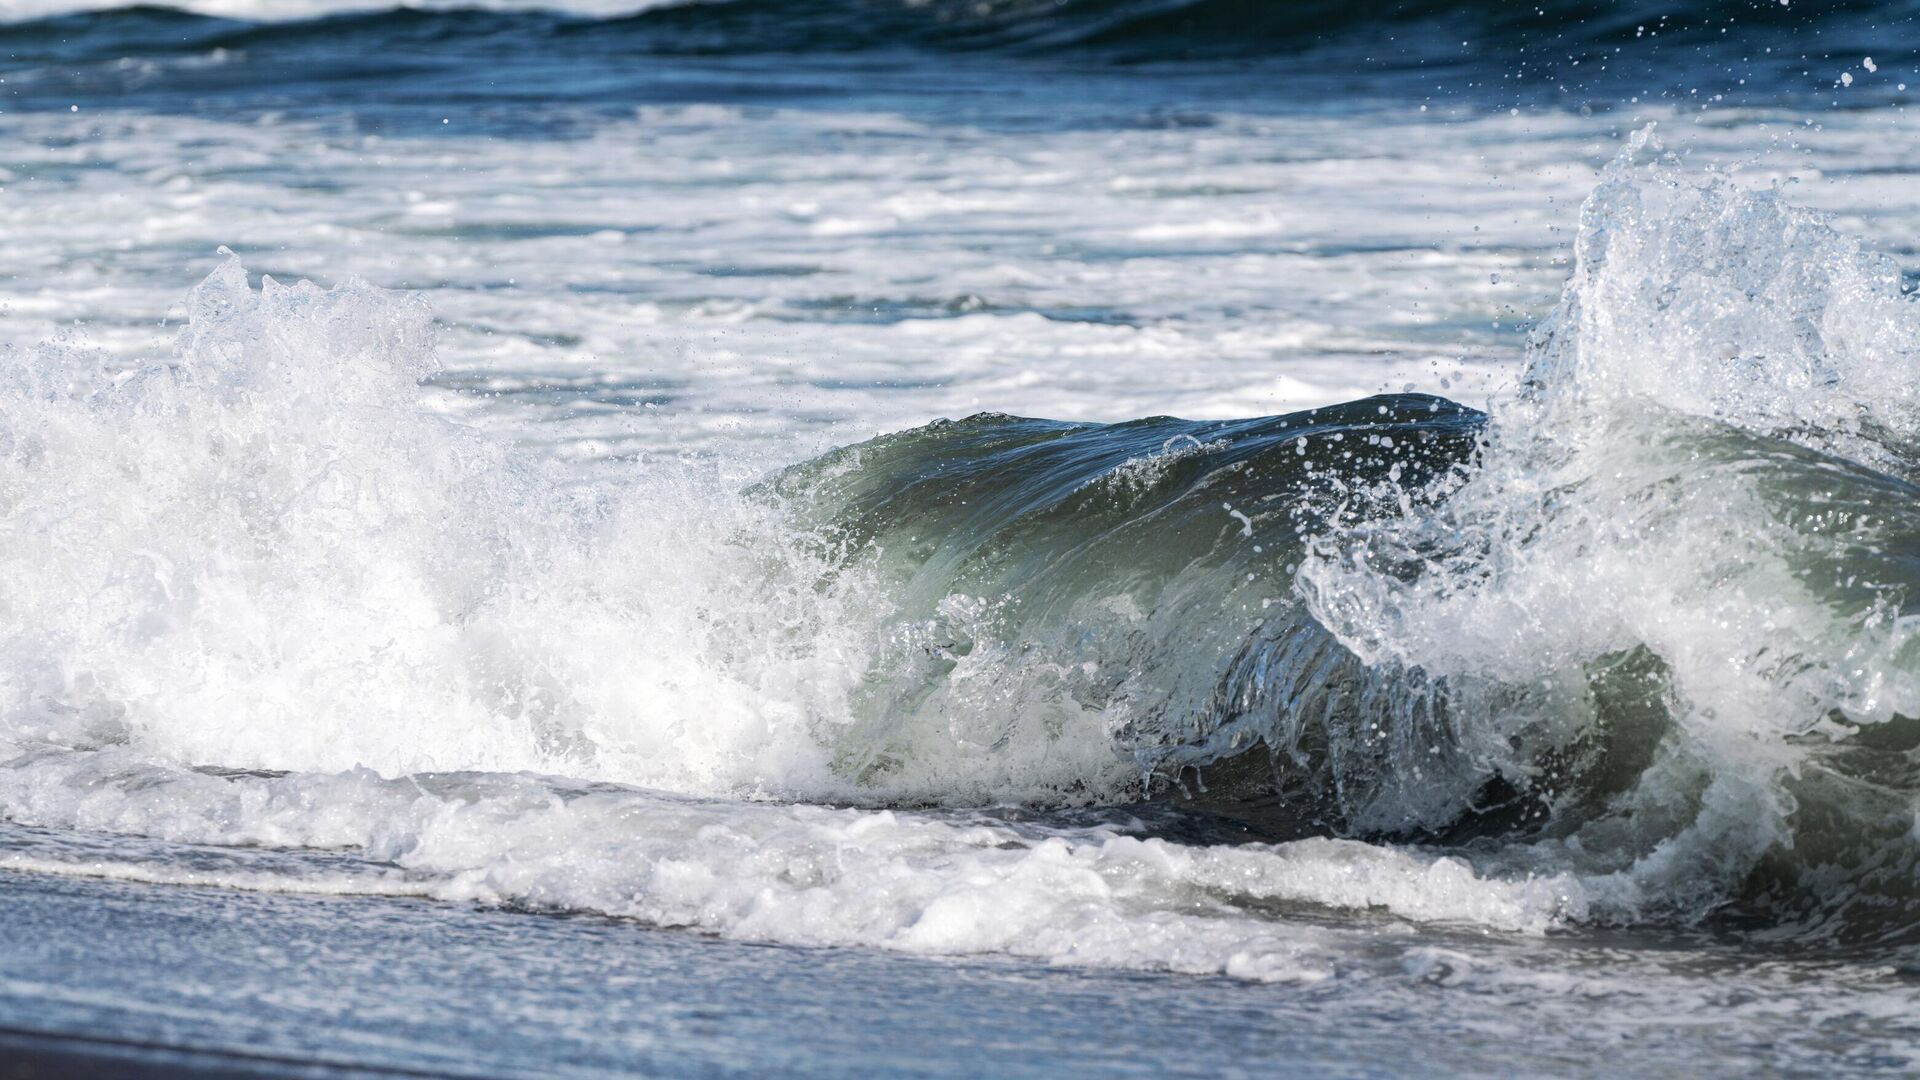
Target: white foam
{"x":792,"y":874}
{"x":1625,"y":503}
{"x":265,"y":552}
{"x":721,"y":301}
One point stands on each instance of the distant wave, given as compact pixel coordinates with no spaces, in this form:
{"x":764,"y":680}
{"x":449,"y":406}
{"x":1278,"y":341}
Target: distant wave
{"x":1127,"y":29}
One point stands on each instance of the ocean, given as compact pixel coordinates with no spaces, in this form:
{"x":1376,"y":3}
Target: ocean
{"x":907,"y":537}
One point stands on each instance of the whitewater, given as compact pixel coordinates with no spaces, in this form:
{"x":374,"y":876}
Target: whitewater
{"x":1425,"y":566}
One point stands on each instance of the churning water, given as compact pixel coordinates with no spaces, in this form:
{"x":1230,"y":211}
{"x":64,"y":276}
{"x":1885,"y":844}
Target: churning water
{"x":1540,"y":667}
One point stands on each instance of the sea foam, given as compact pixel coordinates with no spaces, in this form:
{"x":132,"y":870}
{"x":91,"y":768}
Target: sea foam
{"x":266,"y":551}
{"x":261,"y":592}
{"x":1704,"y":485}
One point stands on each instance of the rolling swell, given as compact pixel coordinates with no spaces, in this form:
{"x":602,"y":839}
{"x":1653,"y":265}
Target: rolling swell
{"x":1126,"y":30}
{"x":410,"y":69}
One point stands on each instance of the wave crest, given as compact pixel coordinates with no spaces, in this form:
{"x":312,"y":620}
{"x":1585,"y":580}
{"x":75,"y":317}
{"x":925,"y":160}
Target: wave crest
{"x":1707,"y":471}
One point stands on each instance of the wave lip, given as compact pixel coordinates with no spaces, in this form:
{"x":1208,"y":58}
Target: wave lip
{"x":1079,"y":606}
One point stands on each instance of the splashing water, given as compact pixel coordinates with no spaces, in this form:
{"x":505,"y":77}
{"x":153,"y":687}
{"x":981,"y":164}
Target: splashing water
{"x":1639,"y":646}
{"x":1694,"y":536}
{"x":266,"y":552}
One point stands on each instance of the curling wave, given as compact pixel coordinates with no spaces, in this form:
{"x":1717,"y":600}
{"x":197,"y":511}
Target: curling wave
{"x":1654,"y":623}
{"x":1640,"y":646}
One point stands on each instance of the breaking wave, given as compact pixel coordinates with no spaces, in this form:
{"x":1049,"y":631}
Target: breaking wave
{"x":1641,"y":645}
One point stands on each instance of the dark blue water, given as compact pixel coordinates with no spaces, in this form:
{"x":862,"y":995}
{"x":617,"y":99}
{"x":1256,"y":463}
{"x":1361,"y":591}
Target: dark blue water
{"x":1013,"y":63}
